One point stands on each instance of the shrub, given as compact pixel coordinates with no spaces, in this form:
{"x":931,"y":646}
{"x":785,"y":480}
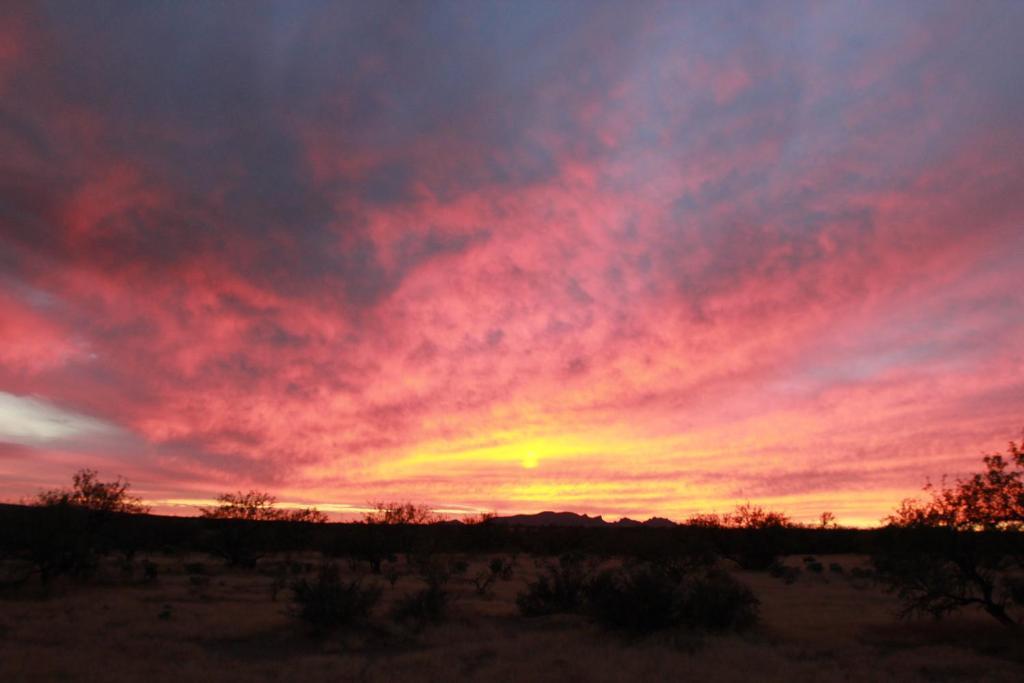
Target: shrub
{"x":749,"y":516}
{"x":72,"y":526}
{"x":637,"y":600}
{"x":1015,"y":588}
{"x":501,"y":568}
{"x":427,"y":605}
{"x":483,"y":580}
{"x":241,"y":531}
{"x":785,"y":572}
{"x":242,"y":543}
{"x":392,"y":574}
{"x":327,"y":602}
{"x":756,"y":553}
{"x":198,"y":583}
{"x":559,"y":588}
{"x":434,"y":570}
{"x":647,"y":598}
{"x":760,"y":539}
{"x":861,"y":577}
{"x":497,"y":568}
{"x":373,"y":544}
{"x":61,"y":540}
{"x":718,"y":602}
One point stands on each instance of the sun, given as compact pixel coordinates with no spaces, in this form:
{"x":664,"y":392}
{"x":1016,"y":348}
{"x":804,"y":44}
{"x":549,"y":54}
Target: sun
{"x":530,"y":460}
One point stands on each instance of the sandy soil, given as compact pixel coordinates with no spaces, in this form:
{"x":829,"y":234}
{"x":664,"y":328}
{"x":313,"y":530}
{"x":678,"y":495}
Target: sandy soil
{"x":225,"y":626}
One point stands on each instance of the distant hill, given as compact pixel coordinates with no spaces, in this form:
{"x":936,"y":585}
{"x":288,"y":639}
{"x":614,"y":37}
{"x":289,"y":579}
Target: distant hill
{"x":572,"y":519}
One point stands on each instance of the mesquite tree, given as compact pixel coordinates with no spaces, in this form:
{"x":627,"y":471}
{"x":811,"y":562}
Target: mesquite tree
{"x":962,"y":547}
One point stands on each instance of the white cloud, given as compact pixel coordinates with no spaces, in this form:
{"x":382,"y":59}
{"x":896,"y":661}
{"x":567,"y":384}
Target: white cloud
{"x":33,"y":422}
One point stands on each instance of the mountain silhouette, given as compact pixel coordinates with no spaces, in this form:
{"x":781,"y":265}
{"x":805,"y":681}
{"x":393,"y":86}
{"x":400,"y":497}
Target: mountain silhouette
{"x":572,"y":519}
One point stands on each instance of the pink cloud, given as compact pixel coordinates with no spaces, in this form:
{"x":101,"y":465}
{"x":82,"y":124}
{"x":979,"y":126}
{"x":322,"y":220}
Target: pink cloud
{"x":645,"y":268}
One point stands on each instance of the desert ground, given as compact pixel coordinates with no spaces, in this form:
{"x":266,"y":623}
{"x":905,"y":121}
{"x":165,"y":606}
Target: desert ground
{"x":199,"y":620}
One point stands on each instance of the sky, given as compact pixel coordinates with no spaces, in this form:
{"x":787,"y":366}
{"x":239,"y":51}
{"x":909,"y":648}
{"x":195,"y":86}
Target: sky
{"x":620,"y":258}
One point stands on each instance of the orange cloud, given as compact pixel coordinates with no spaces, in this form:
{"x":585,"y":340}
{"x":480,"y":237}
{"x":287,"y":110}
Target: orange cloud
{"x":628,"y":263}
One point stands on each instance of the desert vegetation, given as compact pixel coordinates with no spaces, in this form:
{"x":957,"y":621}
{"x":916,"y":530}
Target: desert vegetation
{"x":257,"y":506}
{"x":373,"y":596}
{"x":964,"y":546}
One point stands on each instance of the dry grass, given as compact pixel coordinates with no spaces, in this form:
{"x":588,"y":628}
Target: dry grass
{"x":821,"y":628}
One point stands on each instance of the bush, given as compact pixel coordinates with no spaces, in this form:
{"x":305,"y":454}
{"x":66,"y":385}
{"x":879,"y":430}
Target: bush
{"x":718,"y":602}
{"x":242,"y":543}
{"x":637,"y":600}
{"x":559,"y":588}
{"x":861,"y":577}
{"x":483,"y":580}
{"x":72,"y":527}
{"x":1015,"y":588}
{"x":327,"y":602}
{"x":750,"y":536}
{"x":501,"y":568}
{"x":246,"y":526}
{"x":427,"y":605}
{"x":392,"y":574}
{"x":785,"y":572}
{"x":497,"y":568}
{"x":647,"y":598}
{"x":61,"y":540}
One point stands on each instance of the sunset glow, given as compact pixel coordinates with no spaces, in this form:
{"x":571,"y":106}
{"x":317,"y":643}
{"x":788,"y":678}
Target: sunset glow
{"x":627,"y":258}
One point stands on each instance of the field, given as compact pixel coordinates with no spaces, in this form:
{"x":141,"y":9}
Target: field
{"x":197,"y":619}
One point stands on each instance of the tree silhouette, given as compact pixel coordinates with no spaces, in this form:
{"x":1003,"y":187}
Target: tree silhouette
{"x":958,"y":549}
{"x":745,"y":516}
{"x":90,"y":493}
{"x":241,"y":535}
{"x":401,"y":513}
{"x":76,"y":524}
{"x":258,"y":506}
{"x":750,"y":535}
{"x":749,"y":516}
